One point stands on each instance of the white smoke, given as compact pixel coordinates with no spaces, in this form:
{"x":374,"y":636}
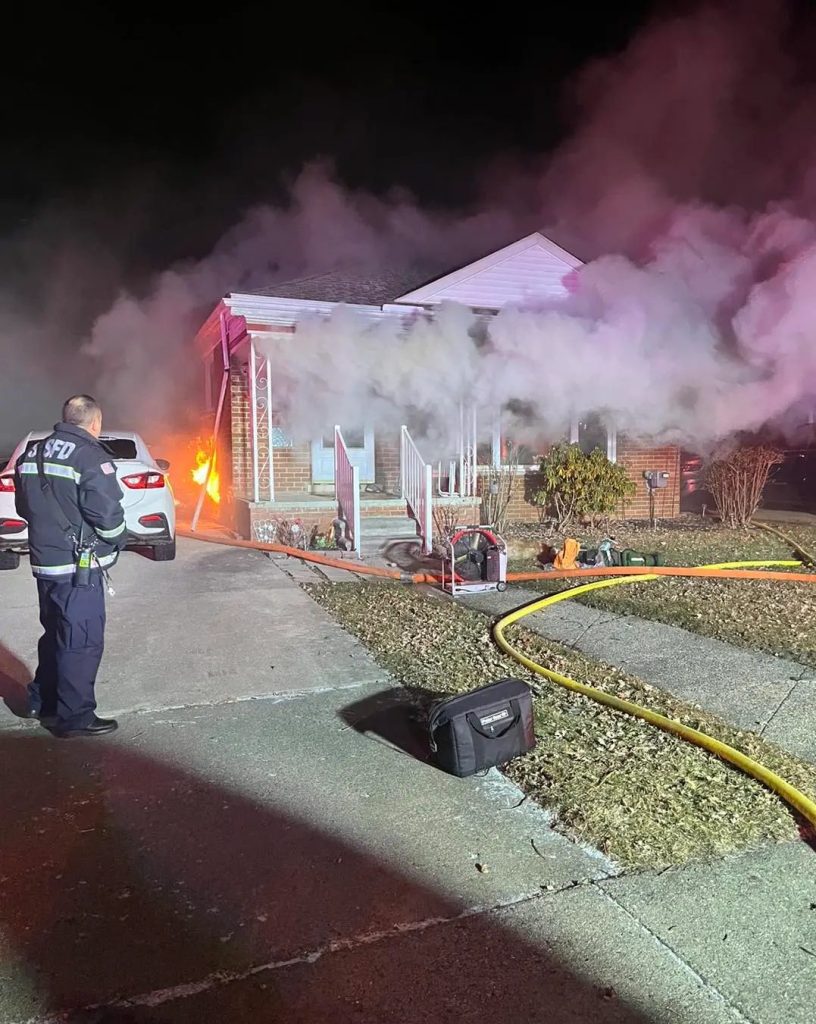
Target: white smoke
{"x":347,"y":370}
{"x":703,"y":340}
{"x":146,"y":366}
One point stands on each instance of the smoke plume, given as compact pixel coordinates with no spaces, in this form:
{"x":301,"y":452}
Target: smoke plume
{"x":323,"y":228}
{"x":699,"y":342}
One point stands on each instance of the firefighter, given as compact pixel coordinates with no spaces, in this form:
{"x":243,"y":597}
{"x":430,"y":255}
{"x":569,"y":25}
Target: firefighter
{"x":67,"y":491}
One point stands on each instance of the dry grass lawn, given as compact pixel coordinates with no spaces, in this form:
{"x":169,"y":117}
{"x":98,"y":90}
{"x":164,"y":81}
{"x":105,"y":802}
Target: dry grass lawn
{"x":644,"y":797}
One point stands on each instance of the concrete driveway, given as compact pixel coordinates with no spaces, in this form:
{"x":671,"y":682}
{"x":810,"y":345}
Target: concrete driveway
{"x":249,"y":847}
{"x":216,"y":625}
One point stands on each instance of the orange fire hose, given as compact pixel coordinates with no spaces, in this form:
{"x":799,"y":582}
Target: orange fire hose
{"x":309,"y":556}
{"x":514,"y":577}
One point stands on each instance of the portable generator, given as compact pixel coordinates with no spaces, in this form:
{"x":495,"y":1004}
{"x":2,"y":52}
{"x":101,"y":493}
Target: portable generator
{"x":477,"y":561}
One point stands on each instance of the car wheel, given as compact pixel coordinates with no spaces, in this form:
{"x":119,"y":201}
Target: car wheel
{"x":165,"y":552}
{"x":9,"y":559}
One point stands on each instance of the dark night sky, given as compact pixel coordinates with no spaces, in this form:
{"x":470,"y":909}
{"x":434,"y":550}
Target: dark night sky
{"x":179,"y":119}
{"x":134,"y":136}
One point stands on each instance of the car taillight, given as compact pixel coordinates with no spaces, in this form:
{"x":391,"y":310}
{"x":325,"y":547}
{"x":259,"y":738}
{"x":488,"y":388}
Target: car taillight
{"x":12,"y":525}
{"x":7,"y":484}
{"x":143,"y":481}
{"x":153,"y":520}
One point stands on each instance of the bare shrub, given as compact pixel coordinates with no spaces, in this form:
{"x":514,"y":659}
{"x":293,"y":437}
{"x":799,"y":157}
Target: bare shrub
{"x":497,"y":492}
{"x":446,"y":522}
{"x":737,"y":479}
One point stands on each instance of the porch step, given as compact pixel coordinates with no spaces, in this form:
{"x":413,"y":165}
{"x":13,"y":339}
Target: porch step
{"x":387,"y":526}
{"x":379,"y":531}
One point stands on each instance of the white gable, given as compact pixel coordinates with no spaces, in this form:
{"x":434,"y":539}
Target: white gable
{"x":532,"y":268}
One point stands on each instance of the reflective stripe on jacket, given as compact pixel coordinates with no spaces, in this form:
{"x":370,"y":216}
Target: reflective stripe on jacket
{"x":83,"y":477}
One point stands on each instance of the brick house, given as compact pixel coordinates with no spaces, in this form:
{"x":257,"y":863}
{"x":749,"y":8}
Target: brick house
{"x":298,"y":480}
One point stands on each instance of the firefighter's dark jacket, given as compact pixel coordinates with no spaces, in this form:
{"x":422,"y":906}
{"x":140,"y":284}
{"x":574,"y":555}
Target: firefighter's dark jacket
{"x":82,"y":475}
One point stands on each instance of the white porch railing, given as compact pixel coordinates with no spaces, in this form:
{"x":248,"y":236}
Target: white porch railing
{"x":347,"y":490}
{"x":462,"y":471}
{"x":447,"y":483}
{"x":417,"y":488}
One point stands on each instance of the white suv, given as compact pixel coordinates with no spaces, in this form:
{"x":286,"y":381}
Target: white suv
{"x":147,"y":498}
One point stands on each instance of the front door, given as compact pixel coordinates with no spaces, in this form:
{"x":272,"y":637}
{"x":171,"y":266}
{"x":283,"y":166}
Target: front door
{"x":360,"y":445}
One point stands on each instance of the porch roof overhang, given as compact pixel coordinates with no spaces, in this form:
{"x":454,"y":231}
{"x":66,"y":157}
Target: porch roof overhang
{"x":249,"y":315}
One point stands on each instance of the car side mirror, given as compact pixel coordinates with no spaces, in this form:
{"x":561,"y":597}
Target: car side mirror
{"x":163,"y":465}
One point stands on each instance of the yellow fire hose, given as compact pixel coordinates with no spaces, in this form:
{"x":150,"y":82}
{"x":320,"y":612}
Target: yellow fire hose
{"x":801,"y":803}
{"x":723,"y":570}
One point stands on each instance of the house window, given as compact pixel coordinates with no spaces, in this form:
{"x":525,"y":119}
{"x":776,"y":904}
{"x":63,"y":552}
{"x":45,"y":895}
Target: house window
{"x":354,"y":437}
{"x":279,"y":437}
{"x":524,"y":453}
{"x":592,"y":432}
{"x":526,"y":444}
{"x":527,"y":451}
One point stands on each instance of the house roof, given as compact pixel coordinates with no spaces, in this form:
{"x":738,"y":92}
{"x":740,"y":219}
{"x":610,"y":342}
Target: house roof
{"x":531,"y":268}
{"x":357,"y":288}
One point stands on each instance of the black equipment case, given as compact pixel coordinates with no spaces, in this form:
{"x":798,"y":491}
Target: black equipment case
{"x":489,"y":726}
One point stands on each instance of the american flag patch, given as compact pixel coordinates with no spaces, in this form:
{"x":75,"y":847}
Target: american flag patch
{"x":107,"y":467}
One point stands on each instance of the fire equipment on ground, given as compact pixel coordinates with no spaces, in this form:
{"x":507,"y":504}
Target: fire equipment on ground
{"x":803,"y":804}
{"x":476,"y":562}
{"x":482,"y":729}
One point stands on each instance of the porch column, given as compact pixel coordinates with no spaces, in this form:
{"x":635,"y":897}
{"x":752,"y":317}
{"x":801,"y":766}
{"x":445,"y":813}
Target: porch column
{"x":495,"y":442}
{"x":269,"y":428}
{"x":253,"y":413}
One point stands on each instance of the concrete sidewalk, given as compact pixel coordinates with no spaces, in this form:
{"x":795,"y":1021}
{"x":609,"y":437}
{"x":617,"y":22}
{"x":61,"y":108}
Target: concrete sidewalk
{"x":750,"y":689}
{"x":217,"y":624}
{"x":252,"y":847}
{"x":773,"y":515}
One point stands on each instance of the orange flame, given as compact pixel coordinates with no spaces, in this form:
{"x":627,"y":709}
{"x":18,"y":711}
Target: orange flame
{"x":199,"y":474}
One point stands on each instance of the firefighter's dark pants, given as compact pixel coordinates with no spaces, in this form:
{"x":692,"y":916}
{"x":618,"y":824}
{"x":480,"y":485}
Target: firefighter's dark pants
{"x":70,"y":650}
